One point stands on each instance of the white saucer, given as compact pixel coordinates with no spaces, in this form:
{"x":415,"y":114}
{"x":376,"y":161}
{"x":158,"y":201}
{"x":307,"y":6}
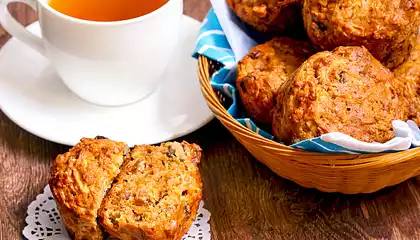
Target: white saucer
{"x":33,"y":96}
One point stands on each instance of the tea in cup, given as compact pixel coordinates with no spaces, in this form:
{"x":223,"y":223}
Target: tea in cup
{"x":108,"y":52}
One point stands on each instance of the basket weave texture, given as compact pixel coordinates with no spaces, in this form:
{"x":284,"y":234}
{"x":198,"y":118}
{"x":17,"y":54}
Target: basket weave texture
{"x":349,"y":174}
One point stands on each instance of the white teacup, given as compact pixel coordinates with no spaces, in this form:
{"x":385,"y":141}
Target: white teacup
{"x":105,"y":63}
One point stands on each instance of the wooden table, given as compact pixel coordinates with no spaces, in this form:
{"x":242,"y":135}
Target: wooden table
{"x":246,"y":199}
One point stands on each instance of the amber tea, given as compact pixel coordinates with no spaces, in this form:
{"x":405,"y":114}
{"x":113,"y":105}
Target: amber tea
{"x":106,"y":10}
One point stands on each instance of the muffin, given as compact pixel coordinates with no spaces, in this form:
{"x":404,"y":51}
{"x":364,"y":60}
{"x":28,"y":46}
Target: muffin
{"x":156,"y":195}
{"x":79,"y":180}
{"x":271,"y":16}
{"x":387,"y":28}
{"x":408,"y":74}
{"x":346,"y":90}
{"x":264,"y":70}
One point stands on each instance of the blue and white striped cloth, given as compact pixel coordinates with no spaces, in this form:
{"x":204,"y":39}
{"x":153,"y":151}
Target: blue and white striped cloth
{"x":221,"y":30}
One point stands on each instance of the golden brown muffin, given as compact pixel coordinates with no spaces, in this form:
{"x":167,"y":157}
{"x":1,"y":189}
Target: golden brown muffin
{"x":409,"y":75}
{"x":273,"y":16}
{"x":262,"y":72}
{"x":79,"y":181}
{"x":156,"y":195}
{"x":346,"y":91}
{"x":387,"y":28}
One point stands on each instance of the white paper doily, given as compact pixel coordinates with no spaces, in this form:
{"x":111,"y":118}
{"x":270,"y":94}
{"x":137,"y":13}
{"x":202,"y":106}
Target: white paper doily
{"x":44,"y":222}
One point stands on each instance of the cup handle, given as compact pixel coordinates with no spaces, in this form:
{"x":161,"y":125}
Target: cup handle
{"x":16,"y":29}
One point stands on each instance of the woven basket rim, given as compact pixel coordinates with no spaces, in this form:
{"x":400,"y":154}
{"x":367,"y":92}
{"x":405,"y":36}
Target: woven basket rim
{"x":221,"y":113}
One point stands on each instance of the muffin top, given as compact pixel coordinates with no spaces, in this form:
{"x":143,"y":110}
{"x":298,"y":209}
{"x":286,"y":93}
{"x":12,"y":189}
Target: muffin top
{"x":387,"y":28}
{"x":346,"y":90}
{"x":270,"y":16}
{"x":262,"y":72}
{"x":408,"y":74}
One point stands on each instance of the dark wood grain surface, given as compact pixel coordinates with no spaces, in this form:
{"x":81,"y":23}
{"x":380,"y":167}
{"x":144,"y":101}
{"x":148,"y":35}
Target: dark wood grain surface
{"x":246,"y":199}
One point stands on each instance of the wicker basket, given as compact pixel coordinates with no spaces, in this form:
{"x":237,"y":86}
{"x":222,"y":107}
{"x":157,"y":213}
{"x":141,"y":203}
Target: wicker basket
{"x":350,"y":174}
